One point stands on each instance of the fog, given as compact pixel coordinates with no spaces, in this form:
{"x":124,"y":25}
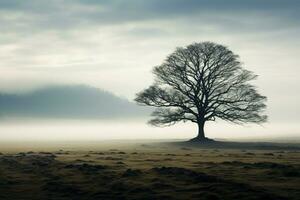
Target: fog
{"x":69,"y":102}
{"x":83,"y":113}
{"x":113,"y":46}
{"x":136,"y":129}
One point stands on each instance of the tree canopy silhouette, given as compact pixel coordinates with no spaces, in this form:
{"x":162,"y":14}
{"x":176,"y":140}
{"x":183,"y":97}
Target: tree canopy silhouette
{"x":203,"y":82}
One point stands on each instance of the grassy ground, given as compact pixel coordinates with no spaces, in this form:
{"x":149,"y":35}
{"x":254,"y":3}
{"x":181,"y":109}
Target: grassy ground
{"x":149,"y":171}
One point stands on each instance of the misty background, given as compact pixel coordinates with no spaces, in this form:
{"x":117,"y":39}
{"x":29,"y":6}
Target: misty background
{"x":71,"y":68}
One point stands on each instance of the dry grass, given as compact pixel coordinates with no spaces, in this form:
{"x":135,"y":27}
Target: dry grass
{"x":150,"y":172}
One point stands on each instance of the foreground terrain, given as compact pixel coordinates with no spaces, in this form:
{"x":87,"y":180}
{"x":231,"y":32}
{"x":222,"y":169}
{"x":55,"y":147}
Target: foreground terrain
{"x":150,"y":171}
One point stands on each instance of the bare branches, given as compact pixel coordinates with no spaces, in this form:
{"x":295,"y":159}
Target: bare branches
{"x":167,"y":117}
{"x":203,"y":82}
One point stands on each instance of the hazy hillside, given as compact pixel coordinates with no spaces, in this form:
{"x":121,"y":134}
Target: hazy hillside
{"x":68,"y":102}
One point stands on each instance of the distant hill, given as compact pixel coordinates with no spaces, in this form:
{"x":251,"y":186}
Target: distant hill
{"x":77,"y":101}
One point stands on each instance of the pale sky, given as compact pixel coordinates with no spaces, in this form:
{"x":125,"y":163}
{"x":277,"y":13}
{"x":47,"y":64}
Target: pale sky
{"x":114,"y":44}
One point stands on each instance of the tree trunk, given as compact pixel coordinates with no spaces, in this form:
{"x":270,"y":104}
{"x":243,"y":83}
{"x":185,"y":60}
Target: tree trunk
{"x":201,"y":134}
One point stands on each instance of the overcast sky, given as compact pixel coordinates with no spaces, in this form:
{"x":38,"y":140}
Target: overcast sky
{"x":113,"y":44}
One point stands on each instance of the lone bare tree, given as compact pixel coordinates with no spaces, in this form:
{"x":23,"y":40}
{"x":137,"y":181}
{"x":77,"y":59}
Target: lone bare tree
{"x":200,"y":83}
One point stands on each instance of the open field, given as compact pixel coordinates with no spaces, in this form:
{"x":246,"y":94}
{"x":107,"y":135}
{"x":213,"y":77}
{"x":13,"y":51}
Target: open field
{"x":148,"y":171}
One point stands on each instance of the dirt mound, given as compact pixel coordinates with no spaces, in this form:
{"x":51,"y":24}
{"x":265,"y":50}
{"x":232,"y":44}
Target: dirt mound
{"x":132,"y":173}
{"x":86,"y":168}
{"x":183,"y":172}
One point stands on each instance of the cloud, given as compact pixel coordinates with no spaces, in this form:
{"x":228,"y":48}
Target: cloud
{"x":114,"y":44}
{"x":66,"y":14}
